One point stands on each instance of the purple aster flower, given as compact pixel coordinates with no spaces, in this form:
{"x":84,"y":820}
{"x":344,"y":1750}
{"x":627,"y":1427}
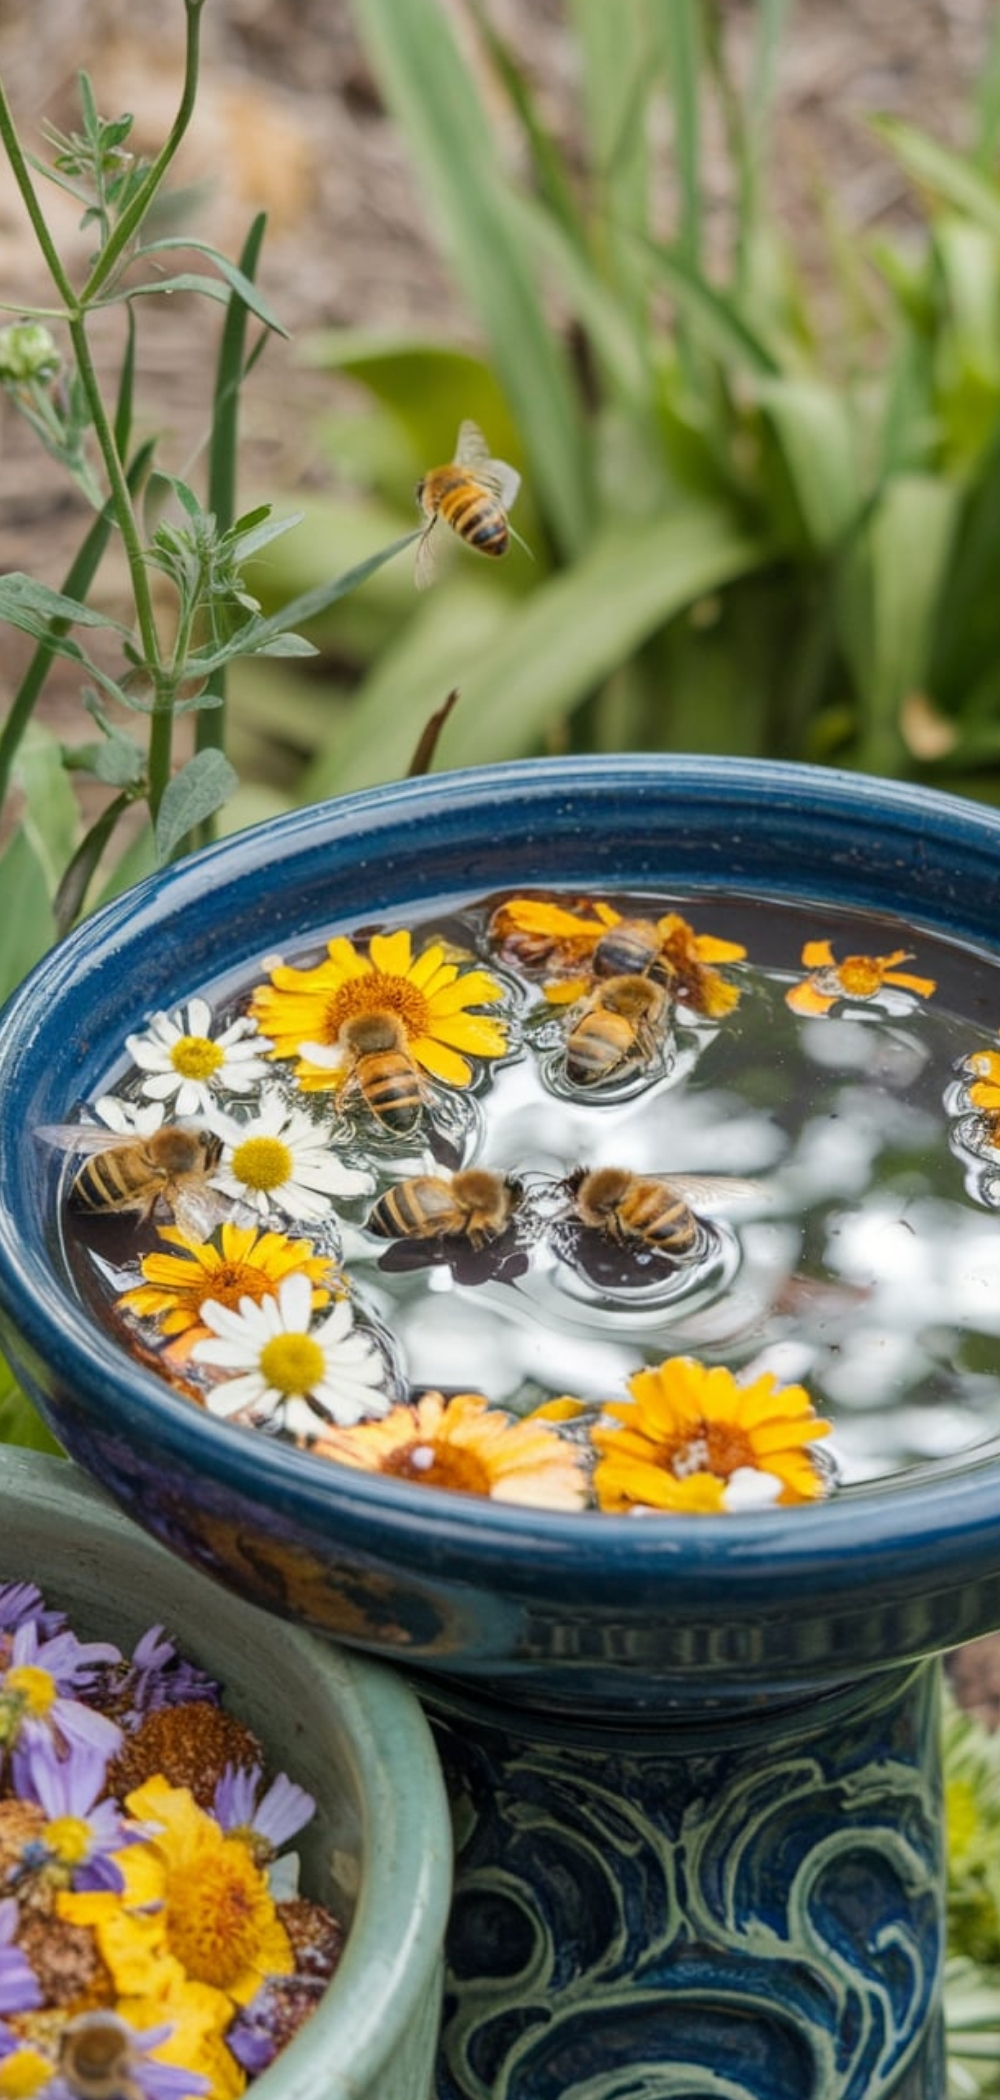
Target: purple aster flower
{"x":24,"y":1600}
{"x":101,"y":2052}
{"x":283,"y":1810}
{"x":159,"y":1677}
{"x":82,"y":1830}
{"x":277,"y":2011}
{"x":37,"y":1685}
{"x":19,"y":1988}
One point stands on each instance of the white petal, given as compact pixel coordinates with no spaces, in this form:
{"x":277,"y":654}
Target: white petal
{"x":192,"y":1096}
{"x":229,"y":1355}
{"x":161,"y":1085}
{"x":150,"y":1057}
{"x":234,"y":1394}
{"x":199,"y":1017}
{"x":295,"y":1300}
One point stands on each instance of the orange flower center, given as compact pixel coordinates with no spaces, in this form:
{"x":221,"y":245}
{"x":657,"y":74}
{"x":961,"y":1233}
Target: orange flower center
{"x":194,"y":1057}
{"x":213,"y":1916}
{"x":440,"y":1465}
{"x":375,"y":993}
{"x":861,"y":975}
{"x":227,"y":1284}
{"x":714,"y":1447}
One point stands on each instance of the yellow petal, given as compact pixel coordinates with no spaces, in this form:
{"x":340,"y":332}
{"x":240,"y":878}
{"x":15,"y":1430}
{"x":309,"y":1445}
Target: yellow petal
{"x":392,"y":953}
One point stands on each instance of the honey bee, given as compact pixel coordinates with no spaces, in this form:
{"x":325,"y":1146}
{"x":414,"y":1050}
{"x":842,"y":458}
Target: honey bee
{"x":472,"y":494}
{"x":615,"y":1028}
{"x":474,"y":1205}
{"x":96,"y":2058}
{"x":632,"y":948}
{"x":650,"y":1207}
{"x":382,"y":1071}
{"x":171,"y":1166}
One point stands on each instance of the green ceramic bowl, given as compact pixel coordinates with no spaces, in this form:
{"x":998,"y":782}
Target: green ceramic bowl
{"x":379,"y":1848}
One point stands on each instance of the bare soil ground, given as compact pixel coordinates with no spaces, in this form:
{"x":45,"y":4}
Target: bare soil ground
{"x":290,"y":121}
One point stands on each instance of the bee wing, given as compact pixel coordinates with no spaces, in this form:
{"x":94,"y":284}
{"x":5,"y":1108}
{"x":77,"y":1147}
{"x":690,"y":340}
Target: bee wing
{"x":82,"y":1138}
{"x":198,"y":1210}
{"x":434,"y":548}
{"x":714,"y":1191}
{"x":471,"y":450}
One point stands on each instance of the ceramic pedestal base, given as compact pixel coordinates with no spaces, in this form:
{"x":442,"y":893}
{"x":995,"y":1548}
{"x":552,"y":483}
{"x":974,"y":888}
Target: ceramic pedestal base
{"x":676,"y":1912}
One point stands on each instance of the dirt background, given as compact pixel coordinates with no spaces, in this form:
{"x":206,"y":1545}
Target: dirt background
{"x":290,"y":120}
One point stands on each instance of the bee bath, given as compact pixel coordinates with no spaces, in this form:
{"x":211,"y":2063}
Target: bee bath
{"x":692,"y":1756}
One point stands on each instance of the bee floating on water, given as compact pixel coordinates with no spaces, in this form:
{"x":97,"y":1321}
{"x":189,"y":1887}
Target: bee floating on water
{"x":382,"y":1072}
{"x":653,"y":1211}
{"x":472,"y":496}
{"x":571,"y":951}
{"x":474,"y":1205}
{"x":620,"y":1028}
{"x":171,"y":1166}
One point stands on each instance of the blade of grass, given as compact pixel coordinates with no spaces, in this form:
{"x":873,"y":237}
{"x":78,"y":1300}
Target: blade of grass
{"x":434,"y":98}
{"x":617,"y":54}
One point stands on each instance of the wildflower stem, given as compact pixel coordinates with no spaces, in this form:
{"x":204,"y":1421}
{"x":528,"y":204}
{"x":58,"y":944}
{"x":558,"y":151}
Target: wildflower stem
{"x":135,"y":212}
{"x":19,"y":169}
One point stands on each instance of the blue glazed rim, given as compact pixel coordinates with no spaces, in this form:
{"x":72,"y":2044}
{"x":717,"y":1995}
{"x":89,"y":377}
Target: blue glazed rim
{"x":683,"y":824}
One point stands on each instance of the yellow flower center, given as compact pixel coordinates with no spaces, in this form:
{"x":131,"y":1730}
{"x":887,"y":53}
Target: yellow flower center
{"x":440,"y":1465}
{"x":68,"y":1837}
{"x":195,"y":1057}
{"x":292,"y":1363}
{"x":35,"y":1688}
{"x":375,"y":993}
{"x":23,"y":2073}
{"x":262,"y":1163}
{"x":214,"y":1915}
{"x":861,"y":975}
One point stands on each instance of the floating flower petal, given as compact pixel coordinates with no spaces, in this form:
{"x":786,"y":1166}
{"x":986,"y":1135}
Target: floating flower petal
{"x":856,"y":978}
{"x":286,"y":1372}
{"x":282,"y":1159}
{"x":689,"y":1428}
{"x":249,"y":1264}
{"x":468,"y":1446}
{"x":429,"y":997}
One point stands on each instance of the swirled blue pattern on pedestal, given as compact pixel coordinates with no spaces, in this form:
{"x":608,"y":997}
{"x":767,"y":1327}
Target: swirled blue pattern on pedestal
{"x":661,"y":1917}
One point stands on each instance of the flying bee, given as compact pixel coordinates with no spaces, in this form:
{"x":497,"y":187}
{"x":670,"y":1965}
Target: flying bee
{"x":171,"y":1166}
{"x":474,"y":1205}
{"x":650,"y":1209}
{"x":472,"y":495}
{"x":614,"y":1029}
{"x":382,"y":1071}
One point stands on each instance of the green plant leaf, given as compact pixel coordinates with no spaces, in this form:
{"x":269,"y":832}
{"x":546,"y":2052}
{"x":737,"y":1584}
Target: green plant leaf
{"x":196,"y":792}
{"x":50,"y":818}
{"x":815,"y":431}
{"x":27,"y":925}
{"x":951,"y":177}
{"x":434,"y":97}
{"x":234,"y":277}
{"x":28,"y":604}
{"x":20,"y":1423}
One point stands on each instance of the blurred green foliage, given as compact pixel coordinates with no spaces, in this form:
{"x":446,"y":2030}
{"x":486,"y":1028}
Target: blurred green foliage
{"x":764,"y":510}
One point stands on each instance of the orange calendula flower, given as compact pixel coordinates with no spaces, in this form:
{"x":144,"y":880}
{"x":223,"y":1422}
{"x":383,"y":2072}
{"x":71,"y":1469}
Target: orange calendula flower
{"x":858,"y":977}
{"x":545,"y":935}
{"x":249,"y":1264}
{"x":468,"y":1446}
{"x":689,"y":1428}
{"x":984,"y":1092}
{"x":196,"y":1919}
{"x":428,"y":999}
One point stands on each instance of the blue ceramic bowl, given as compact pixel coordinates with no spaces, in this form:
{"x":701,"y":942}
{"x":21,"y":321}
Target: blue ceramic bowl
{"x":565,"y":1610}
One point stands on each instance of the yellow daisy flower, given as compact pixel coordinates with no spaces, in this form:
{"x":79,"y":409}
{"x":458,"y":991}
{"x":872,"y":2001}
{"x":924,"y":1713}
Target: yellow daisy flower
{"x":689,"y":1428}
{"x":250,"y":1264}
{"x":195,"y":1910}
{"x":427,"y":996}
{"x":468,"y":1446}
{"x":857,"y":977}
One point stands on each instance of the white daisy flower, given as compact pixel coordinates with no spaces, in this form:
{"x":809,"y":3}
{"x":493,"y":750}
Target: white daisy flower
{"x":287,"y":1373}
{"x":282,"y":1159}
{"x":179,"y":1056}
{"x":129,"y":1118}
